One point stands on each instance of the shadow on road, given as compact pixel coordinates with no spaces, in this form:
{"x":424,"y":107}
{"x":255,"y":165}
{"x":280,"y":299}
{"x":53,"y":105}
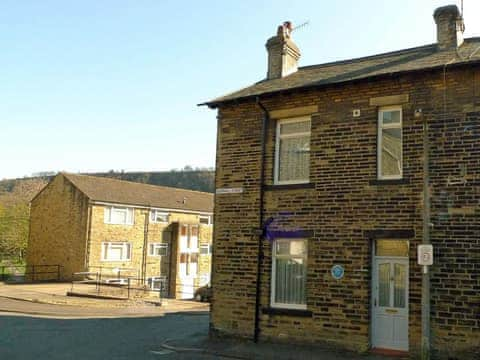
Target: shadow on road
{"x":26,"y":337}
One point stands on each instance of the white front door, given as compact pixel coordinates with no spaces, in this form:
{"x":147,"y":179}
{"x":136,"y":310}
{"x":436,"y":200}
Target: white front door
{"x":188,"y":266}
{"x":390,"y":303}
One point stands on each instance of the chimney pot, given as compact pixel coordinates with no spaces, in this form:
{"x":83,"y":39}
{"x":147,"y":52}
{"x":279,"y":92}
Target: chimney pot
{"x":450,"y":27}
{"x":283,"y":54}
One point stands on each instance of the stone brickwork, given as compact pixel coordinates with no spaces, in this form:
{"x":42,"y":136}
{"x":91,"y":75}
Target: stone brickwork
{"x":344,"y":203}
{"x":68,"y":229}
{"x":141,"y":234}
{"x":58,"y":228}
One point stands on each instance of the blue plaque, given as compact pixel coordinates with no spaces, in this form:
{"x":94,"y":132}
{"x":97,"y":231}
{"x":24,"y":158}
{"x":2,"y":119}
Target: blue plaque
{"x":337,"y":272}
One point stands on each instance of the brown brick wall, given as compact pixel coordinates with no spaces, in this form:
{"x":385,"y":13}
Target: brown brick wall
{"x":344,"y":204}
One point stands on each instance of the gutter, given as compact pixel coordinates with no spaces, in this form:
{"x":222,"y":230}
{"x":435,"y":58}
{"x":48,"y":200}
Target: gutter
{"x":261,"y":231}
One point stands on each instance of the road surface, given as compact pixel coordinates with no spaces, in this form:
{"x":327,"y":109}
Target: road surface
{"x":25,"y":337}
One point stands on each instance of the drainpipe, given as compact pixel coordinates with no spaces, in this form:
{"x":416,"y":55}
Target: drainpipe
{"x":88,"y":237}
{"x":426,"y":240}
{"x":145,"y":245}
{"x":260,"y":223}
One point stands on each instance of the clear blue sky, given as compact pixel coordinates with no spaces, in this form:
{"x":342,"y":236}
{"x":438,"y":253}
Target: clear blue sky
{"x":97,"y":85}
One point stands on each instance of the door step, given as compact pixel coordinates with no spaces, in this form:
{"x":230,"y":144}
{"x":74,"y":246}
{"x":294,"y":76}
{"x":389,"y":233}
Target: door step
{"x":389,"y":352}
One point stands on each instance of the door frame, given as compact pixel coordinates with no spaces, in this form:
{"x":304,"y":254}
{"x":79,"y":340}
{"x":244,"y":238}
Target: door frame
{"x":405,"y":235}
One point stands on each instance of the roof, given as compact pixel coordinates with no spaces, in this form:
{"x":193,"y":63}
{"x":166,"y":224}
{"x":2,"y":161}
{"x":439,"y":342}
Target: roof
{"x":132,"y":193}
{"x":414,"y":59}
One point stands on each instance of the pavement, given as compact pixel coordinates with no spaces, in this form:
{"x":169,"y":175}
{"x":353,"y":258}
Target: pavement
{"x":202,"y":347}
{"x":33,"y":298}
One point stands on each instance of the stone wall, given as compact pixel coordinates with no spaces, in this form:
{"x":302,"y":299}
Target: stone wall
{"x":140,"y":234}
{"x":58,"y":229}
{"x":344,"y":203}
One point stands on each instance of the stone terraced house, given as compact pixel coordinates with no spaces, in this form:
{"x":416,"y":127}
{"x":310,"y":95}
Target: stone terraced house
{"x":321,"y":206}
{"x":154,"y":234}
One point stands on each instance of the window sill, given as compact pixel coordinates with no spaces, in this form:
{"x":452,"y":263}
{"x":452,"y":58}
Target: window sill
{"x":123,"y":224}
{"x":403,"y":181}
{"x":287,"y":312}
{"x":289,"y":186}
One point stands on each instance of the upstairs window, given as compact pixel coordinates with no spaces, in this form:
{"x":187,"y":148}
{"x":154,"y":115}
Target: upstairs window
{"x":157,"y":216}
{"x":118,"y":215}
{"x":389,"y":152}
{"x":292,"y":151}
{"x":205,"y":220}
{"x":188,"y":241}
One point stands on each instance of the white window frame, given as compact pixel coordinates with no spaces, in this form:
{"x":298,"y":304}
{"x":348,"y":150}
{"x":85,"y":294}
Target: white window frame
{"x":124,"y":244}
{"x":380,"y":127}
{"x":274,"y":304}
{"x":155,"y":278}
{"x":108,"y":215}
{"x":208,"y":247}
{"x":278,"y":137}
{"x":155,"y":246}
{"x":155,"y":212}
{"x":208,"y":217}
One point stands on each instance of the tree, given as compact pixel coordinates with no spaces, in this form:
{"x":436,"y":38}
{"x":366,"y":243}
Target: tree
{"x":14,"y":223}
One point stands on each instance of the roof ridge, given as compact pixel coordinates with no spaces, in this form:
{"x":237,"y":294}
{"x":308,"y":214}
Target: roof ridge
{"x":388,"y":53}
{"x":368,"y":57}
{"x":67,"y":175}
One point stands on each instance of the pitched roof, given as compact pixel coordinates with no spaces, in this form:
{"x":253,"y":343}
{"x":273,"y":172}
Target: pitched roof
{"x":131,"y":193}
{"x":414,"y":59}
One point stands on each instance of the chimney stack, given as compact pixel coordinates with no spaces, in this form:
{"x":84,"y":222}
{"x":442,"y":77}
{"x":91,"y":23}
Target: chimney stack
{"x":450,"y":27}
{"x":283,"y":54}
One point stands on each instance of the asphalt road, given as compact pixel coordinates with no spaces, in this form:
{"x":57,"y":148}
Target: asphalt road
{"x":27,"y":337}
{"x":87,"y":336}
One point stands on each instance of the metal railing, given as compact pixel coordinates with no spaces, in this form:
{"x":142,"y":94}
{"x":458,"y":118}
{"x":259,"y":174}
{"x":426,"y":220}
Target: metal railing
{"x":100,"y":284}
{"x":30,"y":273}
{"x":108,"y":284}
